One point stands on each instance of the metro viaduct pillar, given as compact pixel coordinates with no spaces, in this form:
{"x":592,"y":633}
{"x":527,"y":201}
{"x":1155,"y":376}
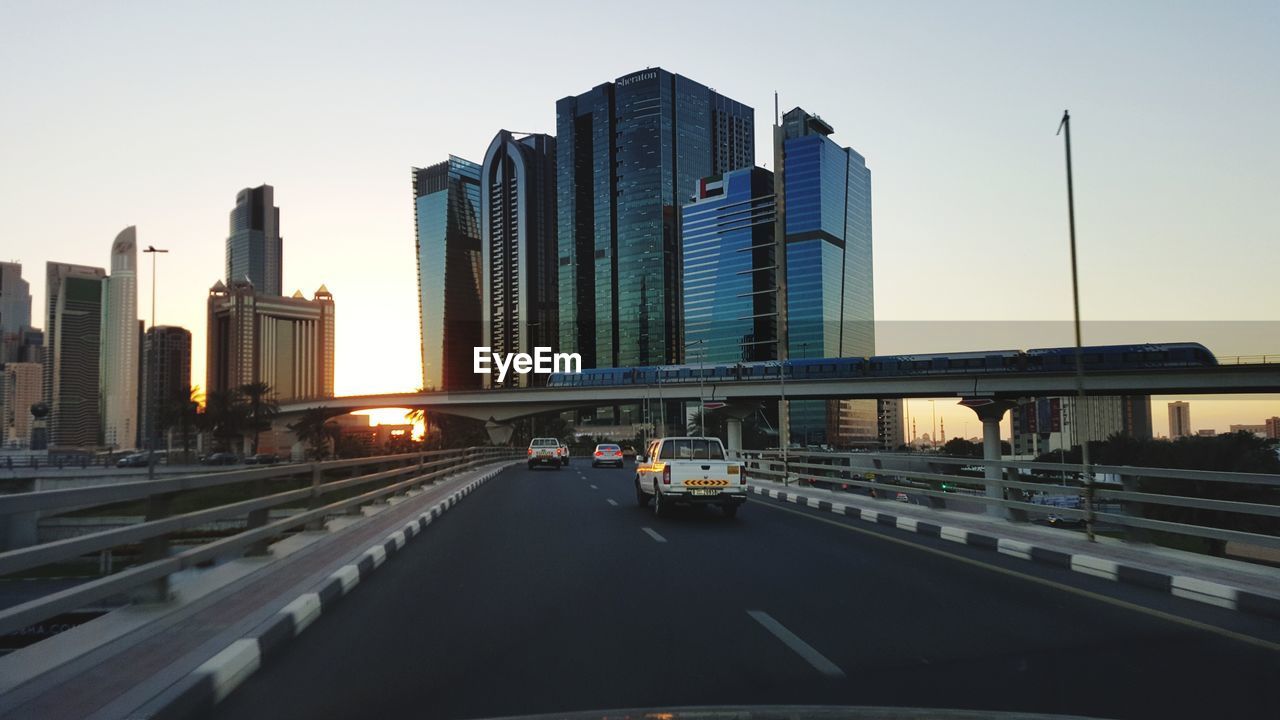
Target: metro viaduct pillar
{"x":735,"y":412}
{"x":991,"y":411}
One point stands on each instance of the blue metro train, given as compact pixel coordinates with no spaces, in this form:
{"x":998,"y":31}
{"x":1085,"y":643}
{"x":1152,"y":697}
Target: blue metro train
{"x":1104,"y":357}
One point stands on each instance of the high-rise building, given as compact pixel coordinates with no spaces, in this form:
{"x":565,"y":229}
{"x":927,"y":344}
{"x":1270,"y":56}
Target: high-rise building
{"x":447,"y":226}
{"x":824,"y":200}
{"x":730,"y":279}
{"x":629,"y":154}
{"x":891,"y":428}
{"x":166,"y":379}
{"x":120,"y":363}
{"x":518,"y":223}
{"x":1179,"y":420}
{"x":285,"y":342}
{"x":1272,"y":427}
{"x":73,"y":354}
{"x":255,"y":250}
{"x":19,"y":390}
{"x":15,"y":310}
{"x":1050,"y":424}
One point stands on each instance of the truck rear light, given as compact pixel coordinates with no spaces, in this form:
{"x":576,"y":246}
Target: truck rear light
{"x":530,"y":451}
{"x":742,"y":478}
{"x":666,"y":474}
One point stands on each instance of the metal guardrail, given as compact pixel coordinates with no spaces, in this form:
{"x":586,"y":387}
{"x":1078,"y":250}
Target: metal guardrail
{"x":1013,"y":491}
{"x":401,"y":473}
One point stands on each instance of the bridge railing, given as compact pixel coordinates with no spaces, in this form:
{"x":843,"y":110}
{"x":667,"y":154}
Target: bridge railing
{"x":305,"y":494}
{"x":1209,"y":506}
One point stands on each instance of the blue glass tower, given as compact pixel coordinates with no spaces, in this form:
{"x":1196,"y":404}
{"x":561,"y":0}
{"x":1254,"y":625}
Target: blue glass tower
{"x":447,"y":226}
{"x":830,"y":308}
{"x":730,"y":282}
{"x":629,"y":154}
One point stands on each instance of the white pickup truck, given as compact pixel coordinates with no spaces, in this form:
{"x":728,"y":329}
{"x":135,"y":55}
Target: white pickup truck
{"x":689,"y":470}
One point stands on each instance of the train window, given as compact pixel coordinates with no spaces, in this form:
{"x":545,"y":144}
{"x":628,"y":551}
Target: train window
{"x":1093,"y":358}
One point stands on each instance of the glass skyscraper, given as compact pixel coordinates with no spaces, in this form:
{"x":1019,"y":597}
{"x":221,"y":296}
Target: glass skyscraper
{"x":73,"y":351}
{"x":730,"y":284}
{"x":830,"y":301}
{"x":254,"y":247}
{"x":120,"y":345}
{"x":447,"y":227}
{"x":629,"y":154}
{"x":166,"y":379}
{"x":518,"y":215}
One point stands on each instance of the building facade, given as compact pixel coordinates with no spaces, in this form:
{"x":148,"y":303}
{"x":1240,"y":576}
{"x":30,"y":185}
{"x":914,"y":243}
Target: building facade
{"x":730,"y":278}
{"x":518,"y":226}
{"x":166,"y":379}
{"x":73,"y":354}
{"x":19,"y":390}
{"x":1179,"y":420}
{"x":824,"y":193}
{"x":285,"y":342}
{"x":891,"y":428}
{"x":15,"y":310}
{"x":447,"y":229}
{"x":1271,"y":428}
{"x":1051,"y":424}
{"x":120,"y":345}
{"x":255,"y":250}
{"x":629,"y":154}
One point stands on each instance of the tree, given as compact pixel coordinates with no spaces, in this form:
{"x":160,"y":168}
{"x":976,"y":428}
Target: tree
{"x":262,"y":406}
{"x":225,"y":417}
{"x":315,"y":431}
{"x":182,"y":415}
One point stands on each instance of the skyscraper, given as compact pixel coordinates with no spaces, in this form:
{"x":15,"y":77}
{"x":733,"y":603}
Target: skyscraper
{"x":730,"y":279}
{"x":73,"y":352}
{"x":286,"y":343}
{"x":1179,"y":420}
{"x":824,"y":199}
{"x":15,"y":310}
{"x":254,"y":246}
{"x":19,"y":390}
{"x":1053,"y":423}
{"x":166,"y":378}
{"x":120,"y":364}
{"x":447,"y":227}
{"x":518,"y":223}
{"x":629,"y":154}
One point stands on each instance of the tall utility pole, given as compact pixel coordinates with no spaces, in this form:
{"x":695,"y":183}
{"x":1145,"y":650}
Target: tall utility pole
{"x":1075,"y":301}
{"x":153,"y":251}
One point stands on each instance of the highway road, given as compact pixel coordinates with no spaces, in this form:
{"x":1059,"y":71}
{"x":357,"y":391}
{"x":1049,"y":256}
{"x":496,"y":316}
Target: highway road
{"x":551,"y":591}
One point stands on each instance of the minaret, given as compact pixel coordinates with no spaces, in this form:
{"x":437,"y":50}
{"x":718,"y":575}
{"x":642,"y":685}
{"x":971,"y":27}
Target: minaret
{"x":119,"y":366}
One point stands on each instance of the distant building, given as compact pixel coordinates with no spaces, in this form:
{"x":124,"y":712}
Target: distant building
{"x":1049,"y":424}
{"x":120,"y":345}
{"x":1179,"y":420}
{"x":1272,"y":428}
{"x":447,"y":227}
{"x":73,"y":354}
{"x":1259,"y":430}
{"x":166,"y":379}
{"x":890,"y":425}
{"x":629,"y":153}
{"x":15,"y":310}
{"x":1206,"y":432}
{"x":255,"y":250}
{"x":518,"y":225}
{"x":19,"y":390}
{"x":286,"y":343}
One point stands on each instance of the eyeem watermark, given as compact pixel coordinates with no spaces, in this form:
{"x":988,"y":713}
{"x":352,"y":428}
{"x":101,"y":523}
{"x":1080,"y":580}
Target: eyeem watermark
{"x":541,"y":362}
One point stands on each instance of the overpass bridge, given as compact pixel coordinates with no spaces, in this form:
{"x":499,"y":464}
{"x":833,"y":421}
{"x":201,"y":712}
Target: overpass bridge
{"x":498,"y":407}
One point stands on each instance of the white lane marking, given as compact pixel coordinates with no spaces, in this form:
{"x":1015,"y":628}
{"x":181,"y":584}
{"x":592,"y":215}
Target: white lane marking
{"x":654,"y":535}
{"x":612,"y":502}
{"x":593,"y":487}
{"x":800,"y":647}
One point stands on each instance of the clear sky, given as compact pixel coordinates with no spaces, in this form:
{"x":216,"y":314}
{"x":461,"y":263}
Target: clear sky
{"x":156,"y":113}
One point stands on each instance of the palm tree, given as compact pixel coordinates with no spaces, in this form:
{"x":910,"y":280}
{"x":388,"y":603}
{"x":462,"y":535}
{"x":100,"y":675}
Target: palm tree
{"x":315,"y":430}
{"x":262,"y":406}
{"x":225,"y":415}
{"x":183,"y":415}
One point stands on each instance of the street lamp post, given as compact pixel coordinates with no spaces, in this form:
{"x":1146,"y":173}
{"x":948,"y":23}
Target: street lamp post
{"x":152,"y":250}
{"x":1075,"y":301}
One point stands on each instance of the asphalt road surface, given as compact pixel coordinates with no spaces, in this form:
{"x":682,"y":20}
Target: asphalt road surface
{"x":539,"y":594}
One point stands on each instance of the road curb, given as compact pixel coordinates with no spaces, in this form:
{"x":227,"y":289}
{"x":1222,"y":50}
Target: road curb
{"x":203,"y":688}
{"x":1205,"y":591}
